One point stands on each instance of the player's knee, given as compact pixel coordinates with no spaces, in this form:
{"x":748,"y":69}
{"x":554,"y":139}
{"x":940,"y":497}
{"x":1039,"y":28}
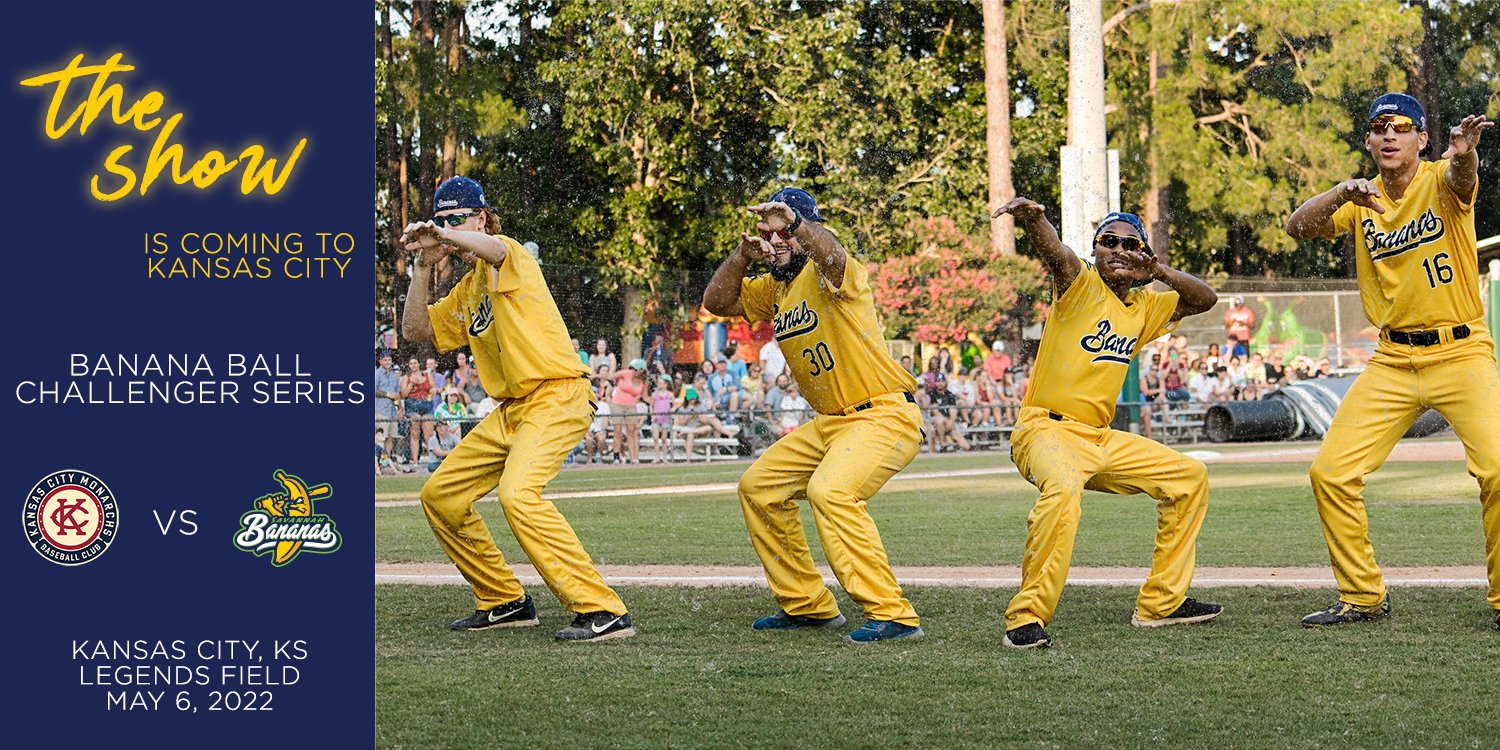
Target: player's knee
{"x":1197,"y":471}
{"x":822,"y":493}
{"x":1324,"y":477}
{"x":751,"y":486}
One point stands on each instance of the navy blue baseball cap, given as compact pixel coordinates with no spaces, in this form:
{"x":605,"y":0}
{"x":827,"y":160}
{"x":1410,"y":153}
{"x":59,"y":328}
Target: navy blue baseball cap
{"x":458,"y":192}
{"x":1399,"y":104}
{"x":1131,"y":219}
{"x":800,"y":201}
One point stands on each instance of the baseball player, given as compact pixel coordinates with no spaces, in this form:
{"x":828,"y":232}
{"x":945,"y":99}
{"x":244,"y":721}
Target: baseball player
{"x":867,"y":426}
{"x":1418,"y":268}
{"x":1062,"y":441}
{"x":503,"y":311}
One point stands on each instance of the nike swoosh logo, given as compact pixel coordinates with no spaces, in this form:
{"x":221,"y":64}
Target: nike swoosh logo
{"x":498,"y":616}
{"x":598,"y":629}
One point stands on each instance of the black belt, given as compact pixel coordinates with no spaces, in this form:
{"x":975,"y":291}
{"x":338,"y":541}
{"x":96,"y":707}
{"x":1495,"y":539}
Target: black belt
{"x":1425,"y":338}
{"x":910,"y":399}
{"x":1054,"y":416}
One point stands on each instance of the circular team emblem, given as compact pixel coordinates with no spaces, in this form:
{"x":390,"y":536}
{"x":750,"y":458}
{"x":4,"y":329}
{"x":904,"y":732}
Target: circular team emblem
{"x":70,"y":517}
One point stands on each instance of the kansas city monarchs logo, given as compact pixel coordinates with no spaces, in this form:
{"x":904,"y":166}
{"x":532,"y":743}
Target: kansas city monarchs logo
{"x":284,"y":522}
{"x":70,"y":517}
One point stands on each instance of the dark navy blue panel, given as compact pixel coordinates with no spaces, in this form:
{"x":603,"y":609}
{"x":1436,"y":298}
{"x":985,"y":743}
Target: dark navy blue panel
{"x":76,"y":272}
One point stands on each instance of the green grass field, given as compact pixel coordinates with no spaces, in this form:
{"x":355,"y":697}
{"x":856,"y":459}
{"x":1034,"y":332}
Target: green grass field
{"x":697,"y":676}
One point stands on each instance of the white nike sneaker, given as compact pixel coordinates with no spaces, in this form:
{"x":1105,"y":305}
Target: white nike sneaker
{"x":597,"y":626}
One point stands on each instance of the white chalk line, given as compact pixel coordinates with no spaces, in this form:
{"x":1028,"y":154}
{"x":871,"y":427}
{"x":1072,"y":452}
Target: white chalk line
{"x":1207,"y":456}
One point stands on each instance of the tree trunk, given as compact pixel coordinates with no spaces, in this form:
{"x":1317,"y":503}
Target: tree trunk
{"x":633,"y":324}
{"x":421,"y":14}
{"x":1426,"y":79}
{"x":997,"y":126}
{"x":1158,"y":197}
{"x":453,"y":44}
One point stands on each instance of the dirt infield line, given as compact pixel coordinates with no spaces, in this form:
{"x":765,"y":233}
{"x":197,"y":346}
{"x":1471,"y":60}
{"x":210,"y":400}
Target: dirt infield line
{"x":712,"y":576}
{"x":1427,"y":451}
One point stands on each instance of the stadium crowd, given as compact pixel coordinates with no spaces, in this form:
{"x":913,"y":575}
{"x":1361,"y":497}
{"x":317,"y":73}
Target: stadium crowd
{"x":654,"y":410}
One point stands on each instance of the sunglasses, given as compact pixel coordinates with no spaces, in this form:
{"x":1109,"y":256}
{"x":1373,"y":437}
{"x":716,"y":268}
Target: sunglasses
{"x":773,"y":236}
{"x":454,"y":220}
{"x":1401,"y":123}
{"x":1131,"y":244}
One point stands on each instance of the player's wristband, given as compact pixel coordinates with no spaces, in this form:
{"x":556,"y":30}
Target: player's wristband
{"x":796,"y":222}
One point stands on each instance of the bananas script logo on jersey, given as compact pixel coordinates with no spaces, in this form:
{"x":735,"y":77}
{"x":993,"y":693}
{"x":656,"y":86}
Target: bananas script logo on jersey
{"x":1419,"y":231}
{"x":482,"y":317}
{"x":1107,"y":345}
{"x":284,"y":523}
{"x":70,"y":517}
{"x":793,"y":322}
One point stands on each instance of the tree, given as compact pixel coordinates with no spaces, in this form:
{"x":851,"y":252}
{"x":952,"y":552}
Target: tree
{"x":953,"y":287}
{"x":666,"y":98}
{"x":997,"y":126}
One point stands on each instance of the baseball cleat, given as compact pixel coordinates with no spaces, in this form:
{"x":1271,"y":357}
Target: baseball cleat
{"x":596,"y":626}
{"x":1343,"y":612}
{"x":517,"y":614}
{"x":882,"y":630}
{"x":1190,"y":611}
{"x":1029,"y":635}
{"x":783,"y":621}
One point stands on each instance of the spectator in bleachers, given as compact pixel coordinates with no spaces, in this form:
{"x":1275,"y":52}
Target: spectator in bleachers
{"x":596,"y":440}
{"x":466,"y":379}
{"x":1324,"y":369}
{"x":659,"y":358}
{"x":603,"y":357}
{"x":416,"y":401}
{"x":794,"y":410}
{"x":1213,"y":359}
{"x":752,"y":389}
{"x":1152,"y":390}
{"x":736,"y":365}
{"x":723,"y":389}
{"x":932,"y":377}
{"x":777,"y":392}
{"x":440,"y":444}
{"x":945,"y":361}
{"x":1010,"y":399}
{"x":440,"y":380}
{"x":1255,"y":377}
{"x":772,"y":361}
{"x":907,"y":366}
{"x":1201,"y":382}
{"x":942,"y":421}
{"x":661,"y":419}
{"x":1223,"y":385}
{"x":697,"y":418}
{"x":962,"y":388}
{"x":452,"y":410}
{"x":1239,"y":323}
{"x":387,"y":400}
{"x":1174,"y":378}
{"x":583,"y":354}
{"x":986,"y":399}
{"x":1275,"y":371}
{"x":997,"y":362}
{"x":629,"y":385}
{"x":1238,"y":377}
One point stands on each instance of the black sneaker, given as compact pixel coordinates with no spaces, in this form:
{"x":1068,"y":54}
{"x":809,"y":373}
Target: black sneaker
{"x":1029,"y":635}
{"x":1190,"y":611}
{"x":597,"y":626}
{"x":1342,"y":612}
{"x":516,"y":614}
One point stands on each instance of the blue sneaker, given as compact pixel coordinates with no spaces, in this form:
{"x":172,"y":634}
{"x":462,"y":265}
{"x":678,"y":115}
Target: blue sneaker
{"x":883,"y":630}
{"x":783,"y":621}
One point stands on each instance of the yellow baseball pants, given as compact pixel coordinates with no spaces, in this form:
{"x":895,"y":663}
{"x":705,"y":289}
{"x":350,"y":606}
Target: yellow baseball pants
{"x":1063,"y":458}
{"x":1458,"y":379}
{"x":517,"y":450}
{"x":837,"y":462}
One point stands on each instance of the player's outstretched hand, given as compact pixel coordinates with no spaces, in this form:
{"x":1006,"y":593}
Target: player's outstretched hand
{"x":756,"y":248}
{"x":1361,"y":192}
{"x":1464,"y":137}
{"x":774,"y":216}
{"x":1024,"y":209}
{"x":428,"y":238}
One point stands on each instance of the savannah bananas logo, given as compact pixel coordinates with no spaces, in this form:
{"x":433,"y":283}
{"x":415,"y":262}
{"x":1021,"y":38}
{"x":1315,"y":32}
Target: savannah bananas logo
{"x":284,"y":522}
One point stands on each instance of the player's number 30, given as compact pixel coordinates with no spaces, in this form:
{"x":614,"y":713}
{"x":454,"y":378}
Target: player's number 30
{"x":818,"y":358}
{"x":1444,"y":272}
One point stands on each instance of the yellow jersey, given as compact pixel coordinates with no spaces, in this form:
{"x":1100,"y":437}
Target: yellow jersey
{"x":834,"y":343}
{"x":1087,"y":344}
{"x":508,"y":318}
{"x":1418,"y":263}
